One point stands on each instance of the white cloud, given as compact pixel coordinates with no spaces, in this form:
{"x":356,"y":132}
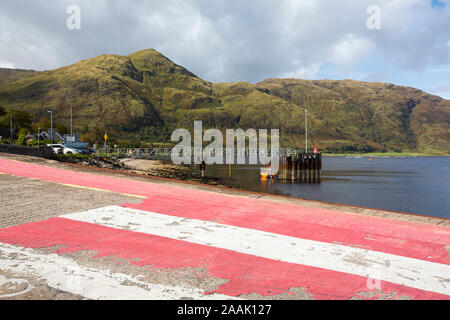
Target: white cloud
{"x":8,"y":65}
{"x":309,"y":72}
{"x":348,"y":51}
{"x":229,"y":40}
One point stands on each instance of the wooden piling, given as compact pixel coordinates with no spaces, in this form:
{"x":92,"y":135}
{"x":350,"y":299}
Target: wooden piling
{"x":320,"y":168}
{"x":304,"y":168}
{"x":300,"y":167}
{"x":314,"y":169}
{"x":308,"y":169}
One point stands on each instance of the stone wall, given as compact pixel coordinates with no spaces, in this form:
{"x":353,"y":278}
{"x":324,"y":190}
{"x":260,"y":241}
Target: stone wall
{"x":43,"y":152}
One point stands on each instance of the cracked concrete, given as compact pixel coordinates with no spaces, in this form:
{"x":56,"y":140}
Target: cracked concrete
{"x":197,"y":278}
{"x":20,"y":286}
{"x":50,"y":276}
{"x":380,"y":295}
{"x":293,"y":294}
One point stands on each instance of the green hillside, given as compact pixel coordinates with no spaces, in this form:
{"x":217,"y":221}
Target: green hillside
{"x":9,"y":75}
{"x":145,"y":96}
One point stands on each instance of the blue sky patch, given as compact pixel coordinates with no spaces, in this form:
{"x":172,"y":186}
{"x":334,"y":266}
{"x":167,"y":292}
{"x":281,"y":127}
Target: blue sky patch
{"x":436,"y":4}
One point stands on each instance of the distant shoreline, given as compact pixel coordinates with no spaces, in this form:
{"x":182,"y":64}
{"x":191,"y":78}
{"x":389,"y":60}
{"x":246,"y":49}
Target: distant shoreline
{"x":387,"y":154}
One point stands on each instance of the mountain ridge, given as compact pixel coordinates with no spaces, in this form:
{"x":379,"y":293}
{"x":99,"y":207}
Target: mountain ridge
{"x":144,"y":96}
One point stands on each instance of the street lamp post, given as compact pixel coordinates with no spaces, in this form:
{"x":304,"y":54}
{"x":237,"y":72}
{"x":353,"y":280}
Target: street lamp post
{"x":11,"y":126}
{"x":306,"y":122}
{"x":306,"y":127}
{"x":51,"y":127}
{"x":71,"y":122}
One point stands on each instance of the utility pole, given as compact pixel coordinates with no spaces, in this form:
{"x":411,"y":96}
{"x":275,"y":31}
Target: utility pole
{"x":306,"y":121}
{"x":11,"y":126}
{"x":71,"y":122}
{"x":71,"y":113}
{"x":51,"y":127}
{"x":306,"y":127}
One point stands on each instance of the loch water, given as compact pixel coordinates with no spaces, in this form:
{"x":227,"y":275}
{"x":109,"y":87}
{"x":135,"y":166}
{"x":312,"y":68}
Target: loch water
{"x":419,"y":185}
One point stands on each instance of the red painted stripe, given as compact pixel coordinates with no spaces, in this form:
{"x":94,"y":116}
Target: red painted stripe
{"x":408,"y":239}
{"x":384,"y":235}
{"x":245,"y":274}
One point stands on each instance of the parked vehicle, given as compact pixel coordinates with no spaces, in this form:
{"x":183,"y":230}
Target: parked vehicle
{"x":62,"y":149}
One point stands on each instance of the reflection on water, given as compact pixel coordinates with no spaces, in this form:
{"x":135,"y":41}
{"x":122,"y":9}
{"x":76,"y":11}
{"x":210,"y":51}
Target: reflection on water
{"x":415,"y":185}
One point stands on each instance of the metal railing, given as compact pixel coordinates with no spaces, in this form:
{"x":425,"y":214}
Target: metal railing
{"x":56,"y":136}
{"x":152,"y":153}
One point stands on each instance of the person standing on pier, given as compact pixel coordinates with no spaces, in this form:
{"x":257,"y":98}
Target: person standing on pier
{"x":203,"y":168}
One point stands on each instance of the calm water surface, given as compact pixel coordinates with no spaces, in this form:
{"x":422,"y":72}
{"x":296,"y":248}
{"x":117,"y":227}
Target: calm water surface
{"x":415,"y":185}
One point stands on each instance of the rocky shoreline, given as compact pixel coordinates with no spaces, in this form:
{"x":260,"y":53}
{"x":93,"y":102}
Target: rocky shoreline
{"x":153,"y":168}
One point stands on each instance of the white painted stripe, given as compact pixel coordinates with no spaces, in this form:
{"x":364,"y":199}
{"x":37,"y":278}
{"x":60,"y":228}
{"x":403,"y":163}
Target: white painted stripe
{"x":405,"y":271}
{"x":65,"y":274}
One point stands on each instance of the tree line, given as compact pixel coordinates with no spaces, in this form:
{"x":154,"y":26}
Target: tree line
{"x":23,"y":124}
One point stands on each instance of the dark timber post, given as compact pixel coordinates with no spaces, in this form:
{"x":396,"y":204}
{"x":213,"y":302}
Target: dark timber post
{"x":304,"y":167}
{"x":320,"y":168}
{"x":315,"y":168}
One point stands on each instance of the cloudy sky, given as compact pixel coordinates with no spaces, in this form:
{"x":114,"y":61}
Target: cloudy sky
{"x":248,"y":40}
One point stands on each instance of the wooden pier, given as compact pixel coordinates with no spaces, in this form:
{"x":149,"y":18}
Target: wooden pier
{"x":294,"y":165}
{"x":303,"y":168}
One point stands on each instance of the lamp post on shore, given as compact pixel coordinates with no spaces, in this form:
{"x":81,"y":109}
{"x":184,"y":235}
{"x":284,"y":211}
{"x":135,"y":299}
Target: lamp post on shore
{"x":11,"y":126}
{"x":71,"y":121}
{"x":51,"y":127}
{"x":306,"y":127}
